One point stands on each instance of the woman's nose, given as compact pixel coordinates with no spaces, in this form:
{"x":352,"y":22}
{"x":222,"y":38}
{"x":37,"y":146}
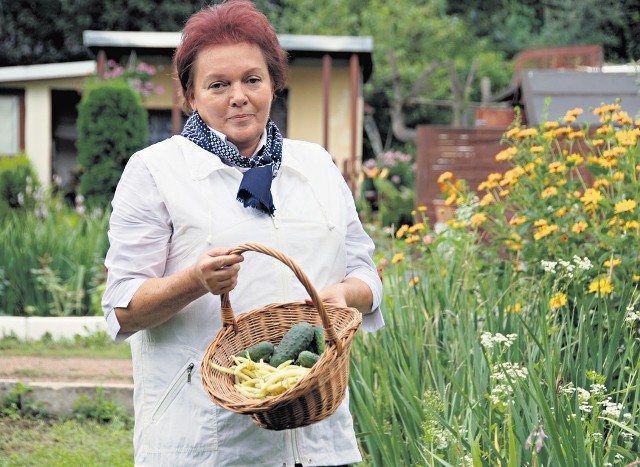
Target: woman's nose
{"x":238,"y":96}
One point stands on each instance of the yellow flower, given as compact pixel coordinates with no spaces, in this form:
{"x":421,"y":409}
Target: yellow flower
{"x":622,"y":118}
{"x":416,"y":227}
{"x":579,"y":227}
{"x":517,"y":308}
{"x":414,"y":281}
{"x":544,"y":231}
{"x":626,"y":205}
{"x":478,"y":219}
{"x":601,"y":286}
{"x":506,"y":154}
{"x":536,"y":149}
{"x":569,"y":119}
{"x":558,"y":301}
{"x":397,"y":258}
{"x":610,"y":263}
{"x":606,"y":108}
{"x":597,"y":142}
{"x":514,"y":242}
{"x":575,"y":158}
{"x":632,"y":225}
{"x":384,"y":173}
{"x":636,"y":278}
{"x":422,"y":208}
{"x":549,"y":192}
{"x":557,"y":168}
{"x":575,"y":111}
{"x":618,"y":176}
{"x":550,"y":125}
{"x":371,"y":173}
{"x":528,"y":132}
{"x":412,"y":239}
{"x":451,"y":199}
{"x":591,"y":198}
{"x":402,"y":230}
{"x":600,"y":182}
{"x":561,"y":212}
{"x":603,"y":130}
{"x":512,"y":132}
{"x":487,"y":200}
{"x":445,"y":177}
{"x":517,"y":220}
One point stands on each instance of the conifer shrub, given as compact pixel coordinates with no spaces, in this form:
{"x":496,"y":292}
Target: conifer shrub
{"x":112,"y":125}
{"x":18,"y":181}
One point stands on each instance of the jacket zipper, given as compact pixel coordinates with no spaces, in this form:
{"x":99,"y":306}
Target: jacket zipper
{"x":183,"y":378}
{"x":294,"y":446}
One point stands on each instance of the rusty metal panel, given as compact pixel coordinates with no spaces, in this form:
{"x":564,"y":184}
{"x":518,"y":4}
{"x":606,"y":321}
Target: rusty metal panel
{"x":467,"y":152}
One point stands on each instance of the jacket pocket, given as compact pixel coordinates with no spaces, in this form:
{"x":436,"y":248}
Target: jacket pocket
{"x":183,"y":377}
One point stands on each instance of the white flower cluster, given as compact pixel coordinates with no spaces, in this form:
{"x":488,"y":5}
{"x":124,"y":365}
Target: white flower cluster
{"x":568,"y":267}
{"x":632,"y":315}
{"x":506,"y":375}
{"x":488,"y":340}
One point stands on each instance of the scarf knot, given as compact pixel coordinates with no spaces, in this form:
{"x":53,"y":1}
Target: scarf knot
{"x":255,"y":187}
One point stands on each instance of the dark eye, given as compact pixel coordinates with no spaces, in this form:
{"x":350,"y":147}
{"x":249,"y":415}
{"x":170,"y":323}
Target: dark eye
{"x":217,"y":85}
{"x":254,"y":80}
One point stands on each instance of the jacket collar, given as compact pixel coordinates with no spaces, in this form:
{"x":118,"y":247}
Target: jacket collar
{"x":201,"y":163}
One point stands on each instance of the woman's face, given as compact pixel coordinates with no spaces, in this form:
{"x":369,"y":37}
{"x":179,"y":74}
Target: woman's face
{"x":232,"y":92}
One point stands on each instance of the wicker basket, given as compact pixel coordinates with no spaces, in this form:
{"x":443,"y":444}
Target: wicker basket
{"x":320,"y":392}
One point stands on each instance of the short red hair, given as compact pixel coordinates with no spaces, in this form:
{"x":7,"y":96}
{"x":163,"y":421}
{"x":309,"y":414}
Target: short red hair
{"x":231,"y":22}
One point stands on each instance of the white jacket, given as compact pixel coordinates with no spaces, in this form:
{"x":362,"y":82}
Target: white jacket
{"x":176,"y":422}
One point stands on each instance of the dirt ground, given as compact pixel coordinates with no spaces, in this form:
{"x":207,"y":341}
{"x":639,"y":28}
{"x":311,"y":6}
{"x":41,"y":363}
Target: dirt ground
{"x":41,"y":369}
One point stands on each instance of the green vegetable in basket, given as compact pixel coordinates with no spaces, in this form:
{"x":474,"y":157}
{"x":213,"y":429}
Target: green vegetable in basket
{"x":307,"y":358}
{"x":260,"y":351}
{"x":318,"y":344}
{"x":294,"y":341}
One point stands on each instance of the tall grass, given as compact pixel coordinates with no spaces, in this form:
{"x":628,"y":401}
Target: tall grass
{"x":51,"y":259}
{"x":541,"y":387}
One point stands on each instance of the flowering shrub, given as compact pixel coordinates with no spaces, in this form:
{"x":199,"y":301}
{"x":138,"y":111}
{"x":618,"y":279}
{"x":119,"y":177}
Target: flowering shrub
{"x":138,"y":75}
{"x":567,"y":191}
{"x":388,"y":188}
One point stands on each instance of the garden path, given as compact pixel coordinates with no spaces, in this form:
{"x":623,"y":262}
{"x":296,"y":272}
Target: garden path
{"x":74,"y":369}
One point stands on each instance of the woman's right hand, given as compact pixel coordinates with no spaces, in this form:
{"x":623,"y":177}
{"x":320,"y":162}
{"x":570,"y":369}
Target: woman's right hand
{"x":217,"y":270}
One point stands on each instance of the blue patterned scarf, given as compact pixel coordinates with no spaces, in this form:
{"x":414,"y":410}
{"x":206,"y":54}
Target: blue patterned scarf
{"x":255,"y":187}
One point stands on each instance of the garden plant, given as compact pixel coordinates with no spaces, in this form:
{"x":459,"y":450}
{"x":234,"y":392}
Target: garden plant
{"x":513,"y":331}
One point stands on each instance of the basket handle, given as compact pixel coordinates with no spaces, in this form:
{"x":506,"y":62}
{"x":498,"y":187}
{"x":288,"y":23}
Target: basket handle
{"x":228,"y":318}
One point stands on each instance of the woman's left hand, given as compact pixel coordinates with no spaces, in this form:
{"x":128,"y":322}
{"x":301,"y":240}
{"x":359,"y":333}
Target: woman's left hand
{"x":350,"y":292}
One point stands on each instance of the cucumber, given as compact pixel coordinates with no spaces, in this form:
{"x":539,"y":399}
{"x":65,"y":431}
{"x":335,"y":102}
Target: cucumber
{"x":318,"y":344}
{"x":307,"y":359}
{"x":259,"y":351}
{"x":294,"y":341}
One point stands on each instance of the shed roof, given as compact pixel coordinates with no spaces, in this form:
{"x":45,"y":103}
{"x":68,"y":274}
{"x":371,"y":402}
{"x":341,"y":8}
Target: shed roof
{"x":548,"y":94}
{"x":20,"y":73}
{"x":118,"y":43}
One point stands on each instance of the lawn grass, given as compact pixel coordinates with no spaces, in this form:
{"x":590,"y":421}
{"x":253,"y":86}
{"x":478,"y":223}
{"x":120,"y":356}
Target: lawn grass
{"x":97,"y":345}
{"x":32,"y":442}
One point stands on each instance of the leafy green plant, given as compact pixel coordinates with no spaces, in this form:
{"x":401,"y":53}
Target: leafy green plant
{"x":112,"y":125}
{"x":19,"y":182}
{"x":101,"y":409}
{"x":16,"y":404}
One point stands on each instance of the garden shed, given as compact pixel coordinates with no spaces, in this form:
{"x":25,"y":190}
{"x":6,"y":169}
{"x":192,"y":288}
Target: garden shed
{"x":323,"y":102}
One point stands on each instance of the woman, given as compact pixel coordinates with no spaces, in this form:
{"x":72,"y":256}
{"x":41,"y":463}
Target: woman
{"x":183,"y":204}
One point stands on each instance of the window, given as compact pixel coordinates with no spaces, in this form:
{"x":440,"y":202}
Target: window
{"x":9,"y":124}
